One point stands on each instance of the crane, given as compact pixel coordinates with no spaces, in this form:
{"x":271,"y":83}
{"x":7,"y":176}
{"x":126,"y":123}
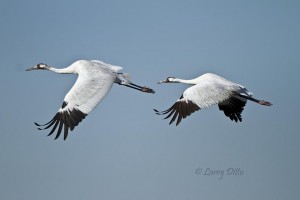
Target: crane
{"x":95,"y":79}
{"x":208,"y":90}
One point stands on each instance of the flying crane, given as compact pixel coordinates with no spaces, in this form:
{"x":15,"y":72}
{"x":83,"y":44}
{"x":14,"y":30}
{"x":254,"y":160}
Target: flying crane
{"x":95,"y":79}
{"x":208,"y":90}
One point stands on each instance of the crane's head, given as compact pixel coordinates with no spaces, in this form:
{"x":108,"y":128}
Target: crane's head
{"x":38,"y":66}
{"x":168,"y":80}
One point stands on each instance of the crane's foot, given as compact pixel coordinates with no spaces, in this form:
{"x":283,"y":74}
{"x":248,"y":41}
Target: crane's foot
{"x":148,"y":90}
{"x":265,"y":103}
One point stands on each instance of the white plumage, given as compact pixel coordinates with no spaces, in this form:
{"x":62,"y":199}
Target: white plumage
{"x":95,"y":79}
{"x":208,"y":90}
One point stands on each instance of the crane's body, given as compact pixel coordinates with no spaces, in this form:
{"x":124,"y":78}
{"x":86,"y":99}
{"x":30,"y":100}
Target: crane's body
{"x":95,"y":79}
{"x":208,"y":90}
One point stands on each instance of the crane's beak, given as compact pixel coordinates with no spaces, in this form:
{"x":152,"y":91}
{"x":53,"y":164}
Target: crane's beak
{"x":32,"y":68}
{"x":163,"y":81}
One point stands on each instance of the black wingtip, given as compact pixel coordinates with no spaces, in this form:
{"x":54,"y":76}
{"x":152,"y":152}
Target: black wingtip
{"x":159,"y":112}
{"x":66,"y":120}
{"x":37,"y":124}
{"x":180,"y":110}
{"x":156,"y":111}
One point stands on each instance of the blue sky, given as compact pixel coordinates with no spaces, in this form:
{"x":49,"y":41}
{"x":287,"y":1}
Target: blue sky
{"x":122,"y":150}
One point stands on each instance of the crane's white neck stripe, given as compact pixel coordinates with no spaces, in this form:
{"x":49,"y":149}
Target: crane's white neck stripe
{"x":68,"y":70}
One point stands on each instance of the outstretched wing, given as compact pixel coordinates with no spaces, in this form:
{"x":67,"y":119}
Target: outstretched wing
{"x":90,"y":88}
{"x":203,"y":95}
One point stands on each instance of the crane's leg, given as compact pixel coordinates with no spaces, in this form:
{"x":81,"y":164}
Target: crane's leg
{"x":261,"y":102}
{"x":137,"y":87}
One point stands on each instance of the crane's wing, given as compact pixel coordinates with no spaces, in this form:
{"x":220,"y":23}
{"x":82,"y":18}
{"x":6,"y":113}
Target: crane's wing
{"x":233,"y":107}
{"x":89,"y":89}
{"x":204,"y":95}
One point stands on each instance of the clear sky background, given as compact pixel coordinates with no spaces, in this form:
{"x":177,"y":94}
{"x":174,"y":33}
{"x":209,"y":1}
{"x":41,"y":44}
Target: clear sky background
{"x":122,"y":150}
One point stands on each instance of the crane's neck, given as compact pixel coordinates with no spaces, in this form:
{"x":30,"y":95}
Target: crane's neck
{"x":190,"y":82}
{"x":67,"y":70}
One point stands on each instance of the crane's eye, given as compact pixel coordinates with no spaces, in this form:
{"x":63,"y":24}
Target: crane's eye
{"x":170,"y":79}
{"x":41,"y":66}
